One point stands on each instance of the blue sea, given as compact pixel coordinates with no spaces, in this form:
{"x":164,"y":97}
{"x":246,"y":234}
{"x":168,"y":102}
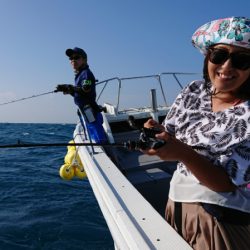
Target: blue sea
{"x":39,"y":210}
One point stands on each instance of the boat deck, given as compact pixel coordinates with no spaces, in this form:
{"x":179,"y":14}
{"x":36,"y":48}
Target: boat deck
{"x":132,"y":188}
{"x":149,"y":174}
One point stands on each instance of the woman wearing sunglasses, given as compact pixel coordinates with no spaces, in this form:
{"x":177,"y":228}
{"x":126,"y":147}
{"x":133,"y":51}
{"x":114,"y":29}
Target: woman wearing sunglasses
{"x":207,"y":131}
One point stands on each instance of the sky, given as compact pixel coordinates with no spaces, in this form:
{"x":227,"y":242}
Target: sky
{"x":123,"y":38}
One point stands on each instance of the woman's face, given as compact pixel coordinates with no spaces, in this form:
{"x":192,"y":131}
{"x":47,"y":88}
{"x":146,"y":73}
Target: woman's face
{"x":224,"y":76}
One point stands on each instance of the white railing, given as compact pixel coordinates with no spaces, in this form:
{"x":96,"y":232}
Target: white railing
{"x":160,"y":79}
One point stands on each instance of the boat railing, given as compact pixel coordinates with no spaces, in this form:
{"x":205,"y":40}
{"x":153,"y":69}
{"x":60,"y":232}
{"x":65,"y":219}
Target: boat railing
{"x":158,"y":77}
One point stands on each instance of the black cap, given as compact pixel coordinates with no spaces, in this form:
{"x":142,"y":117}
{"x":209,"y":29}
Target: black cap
{"x":79,"y":51}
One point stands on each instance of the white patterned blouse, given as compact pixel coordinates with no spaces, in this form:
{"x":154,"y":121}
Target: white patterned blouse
{"x":222,"y":137}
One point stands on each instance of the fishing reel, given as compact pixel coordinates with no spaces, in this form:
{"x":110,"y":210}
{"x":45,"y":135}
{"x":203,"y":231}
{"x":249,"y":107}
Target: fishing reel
{"x":147,"y":140}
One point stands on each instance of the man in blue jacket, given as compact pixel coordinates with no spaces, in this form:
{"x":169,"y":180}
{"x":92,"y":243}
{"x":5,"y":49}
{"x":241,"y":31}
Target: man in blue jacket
{"x":84,"y":93}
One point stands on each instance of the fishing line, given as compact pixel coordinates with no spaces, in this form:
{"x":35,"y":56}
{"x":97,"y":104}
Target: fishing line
{"x":29,"y":97}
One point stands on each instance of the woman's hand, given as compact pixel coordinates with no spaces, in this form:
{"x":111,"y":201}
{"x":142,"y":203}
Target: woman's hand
{"x":152,"y":123}
{"x":208,"y":174}
{"x":171,"y":151}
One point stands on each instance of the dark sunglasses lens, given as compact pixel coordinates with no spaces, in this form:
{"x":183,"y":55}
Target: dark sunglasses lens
{"x":218,"y":56}
{"x":241,"y":60}
{"x":74,"y":58}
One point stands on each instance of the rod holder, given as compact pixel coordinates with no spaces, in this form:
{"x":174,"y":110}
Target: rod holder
{"x":153,"y":99}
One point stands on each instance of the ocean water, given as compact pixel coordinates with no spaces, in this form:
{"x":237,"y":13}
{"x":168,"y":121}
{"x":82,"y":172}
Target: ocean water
{"x":39,"y":210}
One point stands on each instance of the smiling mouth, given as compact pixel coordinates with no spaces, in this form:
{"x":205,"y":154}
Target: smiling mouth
{"x":225,"y":77}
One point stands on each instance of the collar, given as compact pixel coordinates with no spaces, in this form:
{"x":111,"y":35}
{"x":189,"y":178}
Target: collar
{"x":81,"y":69}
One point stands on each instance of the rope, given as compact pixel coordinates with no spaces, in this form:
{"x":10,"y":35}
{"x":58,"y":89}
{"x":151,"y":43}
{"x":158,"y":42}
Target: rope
{"x":29,"y":97}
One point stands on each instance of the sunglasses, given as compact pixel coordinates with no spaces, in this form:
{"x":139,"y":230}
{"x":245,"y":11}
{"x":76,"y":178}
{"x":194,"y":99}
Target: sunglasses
{"x":74,"y":58}
{"x":239,"y":60}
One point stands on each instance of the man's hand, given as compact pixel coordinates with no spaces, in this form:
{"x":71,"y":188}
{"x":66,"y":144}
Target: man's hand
{"x":65,"y":88}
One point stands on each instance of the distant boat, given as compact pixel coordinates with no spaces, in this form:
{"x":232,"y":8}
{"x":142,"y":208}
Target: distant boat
{"x":132,"y":188}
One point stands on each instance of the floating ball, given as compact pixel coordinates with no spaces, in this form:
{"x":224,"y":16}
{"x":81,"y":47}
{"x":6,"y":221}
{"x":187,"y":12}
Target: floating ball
{"x":71,"y":147}
{"x":80,"y":172}
{"x":66,"y":172}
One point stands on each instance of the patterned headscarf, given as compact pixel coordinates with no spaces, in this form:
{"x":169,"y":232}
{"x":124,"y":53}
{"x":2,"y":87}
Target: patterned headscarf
{"x":233,"y":31}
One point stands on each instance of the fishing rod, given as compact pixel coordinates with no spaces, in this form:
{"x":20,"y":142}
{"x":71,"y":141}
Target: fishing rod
{"x":146,"y":140}
{"x":34,"y":96}
{"x":29,"y":97}
{"x":131,"y":145}
{"x":31,"y":145}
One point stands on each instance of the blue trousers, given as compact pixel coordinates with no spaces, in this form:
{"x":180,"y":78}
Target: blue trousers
{"x":96,"y":131}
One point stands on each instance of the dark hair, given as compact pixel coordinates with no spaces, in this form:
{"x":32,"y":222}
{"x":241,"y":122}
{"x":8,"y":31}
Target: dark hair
{"x":242,"y":93}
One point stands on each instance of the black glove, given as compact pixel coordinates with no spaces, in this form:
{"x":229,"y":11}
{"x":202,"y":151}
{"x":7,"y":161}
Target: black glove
{"x":65,"y":88}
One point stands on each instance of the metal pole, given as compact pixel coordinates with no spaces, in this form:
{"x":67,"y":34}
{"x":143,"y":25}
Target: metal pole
{"x":153,"y":100}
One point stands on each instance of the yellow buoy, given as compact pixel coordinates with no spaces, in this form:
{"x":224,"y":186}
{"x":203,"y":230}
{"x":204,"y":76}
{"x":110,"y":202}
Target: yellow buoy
{"x":66,"y":172}
{"x":72,"y":158}
{"x":69,"y":157}
{"x":71,"y":147}
{"x":80,"y":172}
{"x":72,"y":165}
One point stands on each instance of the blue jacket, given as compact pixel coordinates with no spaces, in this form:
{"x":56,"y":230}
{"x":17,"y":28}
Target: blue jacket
{"x":85,"y":81}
